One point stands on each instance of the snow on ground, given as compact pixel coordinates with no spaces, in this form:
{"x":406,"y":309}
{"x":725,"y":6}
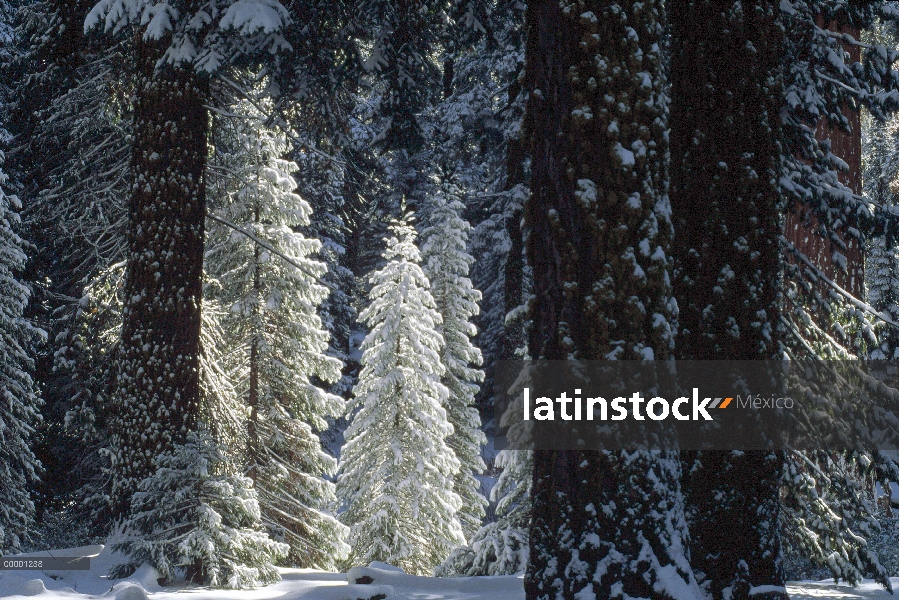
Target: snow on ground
{"x":826,"y":590}
{"x":384,"y":582}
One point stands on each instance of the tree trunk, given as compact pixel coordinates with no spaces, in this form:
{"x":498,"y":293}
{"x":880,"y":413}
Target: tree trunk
{"x":253,"y":424}
{"x":513,"y":269}
{"x":801,"y":228}
{"x":158,"y":384}
{"x":726,"y":207}
{"x":597,"y":234}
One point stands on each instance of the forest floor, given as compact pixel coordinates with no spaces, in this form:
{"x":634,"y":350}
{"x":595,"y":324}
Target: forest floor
{"x":304,"y":584}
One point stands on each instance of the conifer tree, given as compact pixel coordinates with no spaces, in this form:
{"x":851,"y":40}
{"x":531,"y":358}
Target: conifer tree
{"x":19,"y":402}
{"x":726,"y":207}
{"x":882,"y":258}
{"x":71,"y":124}
{"x":324,"y":179}
{"x":500,"y":547}
{"x":274,"y":334}
{"x":177,"y":47}
{"x":479,"y":147}
{"x":192,"y":515}
{"x":446,"y":265}
{"x":476,"y":133}
{"x":829,"y":75}
{"x":404,"y":80}
{"x":597,"y":226}
{"x":397,"y":470}
{"x":318,"y":92}
{"x":880,"y":163}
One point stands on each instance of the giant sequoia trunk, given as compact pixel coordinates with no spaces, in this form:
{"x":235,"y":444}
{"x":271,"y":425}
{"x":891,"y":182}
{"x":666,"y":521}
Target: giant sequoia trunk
{"x":726,"y":206}
{"x":158,"y":389}
{"x":605,"y":524}
{"x":802,"y":228}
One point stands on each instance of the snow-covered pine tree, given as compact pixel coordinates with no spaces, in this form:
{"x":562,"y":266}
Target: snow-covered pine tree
{"x":71,"y":122}
{"x":597,"y":226}
{"x":323,"y":178}
{"x":831,"y":72}
{"x":478,"y":143}
{"x":882,"y":258}
{"x":192,"y":515}
{"x":404,"y":81}
{"x":500,"y":547}
{"x":19,"y":402}
{"x":274,"y":332}
{"x":446,"y":263}
{"x":318,"y":87}
{"x":828,"y":514}
{"x":404,"y":40}
{"x":476,"y":133}
{"x":177,"y":45}
{"x":726,"y":208}
{"x":880,"y":164}
{"x":397,"y":470}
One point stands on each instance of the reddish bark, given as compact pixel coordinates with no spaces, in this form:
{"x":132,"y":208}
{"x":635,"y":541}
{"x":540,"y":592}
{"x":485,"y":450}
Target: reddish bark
{"x":800,"y":228}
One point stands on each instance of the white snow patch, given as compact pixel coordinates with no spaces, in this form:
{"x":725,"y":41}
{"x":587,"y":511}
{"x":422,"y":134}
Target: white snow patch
{"x":625,"y":155}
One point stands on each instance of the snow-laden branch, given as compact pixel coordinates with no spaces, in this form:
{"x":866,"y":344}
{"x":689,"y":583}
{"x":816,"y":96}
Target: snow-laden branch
{"x":849,"y":89}
{"x":270,"y":117}
{"x":270,"y":248}
{"x":820,"y":274}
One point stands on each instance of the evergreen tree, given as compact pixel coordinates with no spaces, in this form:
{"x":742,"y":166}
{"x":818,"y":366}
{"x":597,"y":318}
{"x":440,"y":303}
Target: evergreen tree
{"x":404,"y":81}
{"x":397,"y":470}
{"x":476,"y":133}
{"x":828,"y":515}
{"x":880,"y":173}
{"x":191,"y":515}
{"x":479,"y":149}
{"x":158,"y":372}
{"x":597,"y":228}
{"x":20,"y":405}
{"x":318,"y":92}
{"x":500,"y":547}
{"x":726,"y":207}
{"x":830,"y":74}
{"x":404,"y":36}
{"x":882,"y":258}
{"x":323,"y":180}
{"x":71,"y":121}
{"x":446,"y":265}
{"x":274,"y":332}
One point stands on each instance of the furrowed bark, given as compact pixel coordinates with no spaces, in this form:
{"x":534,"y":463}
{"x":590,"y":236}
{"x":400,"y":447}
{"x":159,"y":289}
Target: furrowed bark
{"x":158,"y":386}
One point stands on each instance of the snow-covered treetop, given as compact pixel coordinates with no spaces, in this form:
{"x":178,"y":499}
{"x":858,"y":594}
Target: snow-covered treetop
{"x":205,"y":33}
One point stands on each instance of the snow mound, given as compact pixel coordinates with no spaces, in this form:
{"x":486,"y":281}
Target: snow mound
{"x":384,"y":567}
{"x":368,"y":575}
{"x":147,"y":577}
{"x":33,"y":587}
{"x":16,"y":585}
{"x":131,"y":592}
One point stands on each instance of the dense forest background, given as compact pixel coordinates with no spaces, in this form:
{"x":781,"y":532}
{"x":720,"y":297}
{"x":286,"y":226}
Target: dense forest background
{"x":258,"y":259}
